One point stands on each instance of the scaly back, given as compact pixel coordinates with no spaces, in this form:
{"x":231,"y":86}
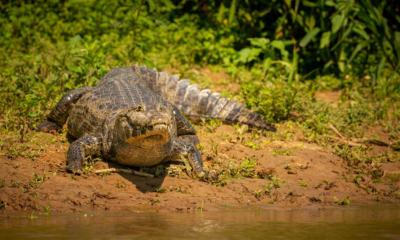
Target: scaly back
{"x":194,"y":102}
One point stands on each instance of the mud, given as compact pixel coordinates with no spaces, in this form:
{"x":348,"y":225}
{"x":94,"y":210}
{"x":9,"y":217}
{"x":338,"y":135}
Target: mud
{"x":289,"y":174}
{"x":310,"y":163}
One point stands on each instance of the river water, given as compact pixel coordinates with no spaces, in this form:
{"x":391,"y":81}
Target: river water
{"x":364,"y":222}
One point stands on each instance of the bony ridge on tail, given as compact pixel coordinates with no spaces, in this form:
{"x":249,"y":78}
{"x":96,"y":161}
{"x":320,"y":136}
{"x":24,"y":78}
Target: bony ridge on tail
{"x":133,"y":117}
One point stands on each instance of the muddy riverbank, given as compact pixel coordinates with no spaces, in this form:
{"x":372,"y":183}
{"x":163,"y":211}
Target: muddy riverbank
{"x":254,"y":170}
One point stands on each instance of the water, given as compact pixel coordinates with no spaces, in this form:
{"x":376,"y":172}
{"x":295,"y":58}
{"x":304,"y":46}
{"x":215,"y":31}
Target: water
{"x":367,"y":222}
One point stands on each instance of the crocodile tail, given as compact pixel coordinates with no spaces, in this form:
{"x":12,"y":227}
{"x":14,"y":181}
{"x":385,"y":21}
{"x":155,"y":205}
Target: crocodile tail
{"x":195,"y":102}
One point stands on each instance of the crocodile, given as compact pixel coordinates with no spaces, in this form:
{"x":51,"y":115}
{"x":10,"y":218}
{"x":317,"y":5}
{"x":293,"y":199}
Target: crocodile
{"x":138,"y":117}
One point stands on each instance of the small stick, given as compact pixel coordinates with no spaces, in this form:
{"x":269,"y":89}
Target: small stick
{"x":335,"y":130}
{"x":346,"y":142}
{"x":130,"y":171}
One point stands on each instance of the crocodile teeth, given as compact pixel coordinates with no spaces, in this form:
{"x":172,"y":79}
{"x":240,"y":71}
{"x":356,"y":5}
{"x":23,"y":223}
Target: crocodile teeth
{"x":160,"y":127}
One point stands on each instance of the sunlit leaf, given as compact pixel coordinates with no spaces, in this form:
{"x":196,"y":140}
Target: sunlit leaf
{"x":307,"y":38}
{"x":337,"y":22}
{"x":232,"y":11}
{"x":325,"y":39}
{"x":358,"y":48}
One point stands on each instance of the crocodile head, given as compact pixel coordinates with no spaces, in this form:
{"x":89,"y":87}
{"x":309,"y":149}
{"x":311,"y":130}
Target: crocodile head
{"x":143,"y":122}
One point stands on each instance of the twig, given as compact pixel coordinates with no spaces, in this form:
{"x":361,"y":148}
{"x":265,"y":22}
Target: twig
{"x":356,"y":142}
{"x":130,"y":171}
{"x":335,"y":130}
{"x":341,"y":140}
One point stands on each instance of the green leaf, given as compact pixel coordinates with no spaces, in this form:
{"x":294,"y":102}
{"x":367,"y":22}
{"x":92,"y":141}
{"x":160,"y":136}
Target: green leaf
{"x":325,"y":39}
{"x":327,"y":65}
{"x":74,"y":41}
{"x":296,"y":8}
{"x":342,"y":60}
{"x":330,"y":3}
{"x":267,"y":64}
{"x":294,"y":65}
{"x":337,"y":22}
{"x":306,"y":39}
{"x":151,"y":5}
{"x":75,"y":69}
{"x":259,"y":42}
{"x":348,"y":31}
{"x":310,"y":4}
{"x":397,"y":47}
{"x":281,"y":46}
{"x":358,"y":48}
{"x":360,"y":31}
{"x":378,"y":70}
{"x":148,"y":63}
{"x":221,"y":12}
{"x":232,"y":11}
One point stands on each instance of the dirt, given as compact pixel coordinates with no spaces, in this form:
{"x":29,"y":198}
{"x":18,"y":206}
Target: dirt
{"x":311,"y":164}
{"x":307,"y":175}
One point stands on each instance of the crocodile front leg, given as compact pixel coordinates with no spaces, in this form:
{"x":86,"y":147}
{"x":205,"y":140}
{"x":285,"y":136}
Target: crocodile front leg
{"x":185,"y":130}
{"x":58,"y":116}
{"x":84,"y":146}
{"x":185,"y":149}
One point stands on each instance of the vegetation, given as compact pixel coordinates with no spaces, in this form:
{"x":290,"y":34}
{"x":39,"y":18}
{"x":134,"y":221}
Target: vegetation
{"x":344,"y":201}
{"x":51,"y":47}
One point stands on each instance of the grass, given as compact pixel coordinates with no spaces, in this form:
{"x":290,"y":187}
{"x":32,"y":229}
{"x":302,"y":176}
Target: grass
{"x":302,"y":184}
{"x":161,"y":190}
{"x":344,"y":201}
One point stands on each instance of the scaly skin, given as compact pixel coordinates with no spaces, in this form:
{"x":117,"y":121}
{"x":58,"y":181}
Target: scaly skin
{"x":133,"y":117}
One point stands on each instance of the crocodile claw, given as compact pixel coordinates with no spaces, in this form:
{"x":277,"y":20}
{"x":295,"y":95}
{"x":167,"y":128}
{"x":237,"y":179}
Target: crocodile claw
{"x":72,"y":169}
{"x":207,"y":175}
{"x":47,"y":126}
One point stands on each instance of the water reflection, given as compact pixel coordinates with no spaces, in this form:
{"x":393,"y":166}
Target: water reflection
{"x":349,"y":223}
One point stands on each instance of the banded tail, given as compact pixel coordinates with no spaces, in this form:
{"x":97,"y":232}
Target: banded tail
{"x":194,"y":102}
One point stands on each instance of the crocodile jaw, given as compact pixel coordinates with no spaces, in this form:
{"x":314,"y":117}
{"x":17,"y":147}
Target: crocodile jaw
{"x":160,"y":129}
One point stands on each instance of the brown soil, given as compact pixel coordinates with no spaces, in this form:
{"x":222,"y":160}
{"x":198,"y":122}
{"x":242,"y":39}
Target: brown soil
{"x":311,"y":164}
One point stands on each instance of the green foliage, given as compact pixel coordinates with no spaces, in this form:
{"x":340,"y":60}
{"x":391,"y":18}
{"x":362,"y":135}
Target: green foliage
{"x":344,"y":201}
{"x":36,"y":180}
{"x":89,"y":164}
{"x":161,"y":190}
{"x":302,"y":184}
{"x":47,"y":209}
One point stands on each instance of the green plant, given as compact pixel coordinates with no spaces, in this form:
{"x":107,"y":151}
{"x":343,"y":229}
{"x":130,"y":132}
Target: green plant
{"x":214,"y":147}
{"x":345,"y":177}
{"x":161,"y":190}
{"x":47,"y":209}
{"x":344,"y":201}
{"x":325,"y":181}
{"x":288,"y":167}
{"x":257,"y":194}
{"x":14,"y":183}
{"x":32,"y":216}
{"x":104,"y":174}
{"x":36,"y":180}
{"x":394,"y":177}
{"x":120,"y":185}
{"x":213,"y":124}
{"x":268,"y":188}
{"x":89,"y":164}
{"x":302,"y":184}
